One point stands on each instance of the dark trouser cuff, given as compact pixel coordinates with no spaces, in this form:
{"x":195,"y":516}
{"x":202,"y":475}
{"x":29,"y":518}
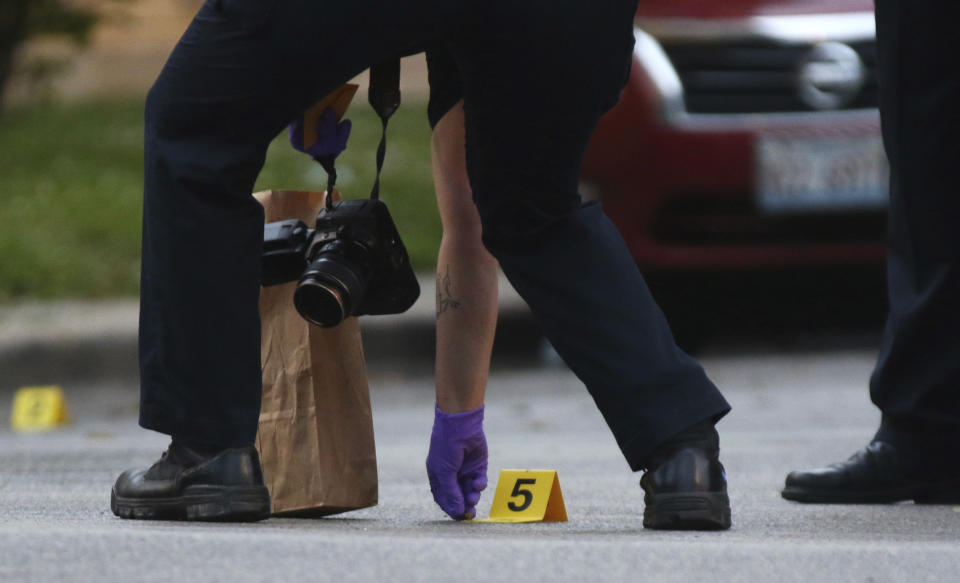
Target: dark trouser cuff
{"x":651,"y":436}
{"x":197,"y":431}
{"x":923,"y":438}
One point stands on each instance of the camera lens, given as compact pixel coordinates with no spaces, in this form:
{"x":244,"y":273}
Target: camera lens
{"x":329,"y":289}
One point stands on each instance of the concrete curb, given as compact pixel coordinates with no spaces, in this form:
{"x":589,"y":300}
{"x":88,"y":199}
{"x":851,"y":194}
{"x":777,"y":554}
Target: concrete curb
{"x":83,"y":342}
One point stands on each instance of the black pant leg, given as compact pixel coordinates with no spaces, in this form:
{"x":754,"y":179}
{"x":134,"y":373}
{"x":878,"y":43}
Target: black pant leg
{"x":916,"y":382}
{"x":583,"y":287}
{"x":241,"y":72}
{"x":536,"y":81}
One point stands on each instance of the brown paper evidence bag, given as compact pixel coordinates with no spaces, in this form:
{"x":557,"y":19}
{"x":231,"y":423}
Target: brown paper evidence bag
{"x":315,"y":436}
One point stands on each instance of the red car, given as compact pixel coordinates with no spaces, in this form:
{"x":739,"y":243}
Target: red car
{"x":747,"y":137}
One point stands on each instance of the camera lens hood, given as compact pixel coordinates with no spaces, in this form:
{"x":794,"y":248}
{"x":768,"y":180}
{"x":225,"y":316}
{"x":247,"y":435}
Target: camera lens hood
{"x":327,"y":292}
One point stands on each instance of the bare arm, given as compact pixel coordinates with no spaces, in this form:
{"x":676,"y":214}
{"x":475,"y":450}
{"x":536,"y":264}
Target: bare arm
{"x":466,"y":277}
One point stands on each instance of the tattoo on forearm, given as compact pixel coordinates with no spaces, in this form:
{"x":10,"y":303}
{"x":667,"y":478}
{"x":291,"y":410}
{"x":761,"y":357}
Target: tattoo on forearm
{"x":445,"y":299}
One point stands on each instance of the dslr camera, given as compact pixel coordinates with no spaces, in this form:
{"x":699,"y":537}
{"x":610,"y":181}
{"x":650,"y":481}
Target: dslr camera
{"x":352,"y":263}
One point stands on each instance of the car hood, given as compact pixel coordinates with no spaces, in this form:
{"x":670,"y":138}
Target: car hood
{"x":712,"y":9}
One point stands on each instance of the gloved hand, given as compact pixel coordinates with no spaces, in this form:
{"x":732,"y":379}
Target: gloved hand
{"x":331,"y":136}
{"x":457,"y":462}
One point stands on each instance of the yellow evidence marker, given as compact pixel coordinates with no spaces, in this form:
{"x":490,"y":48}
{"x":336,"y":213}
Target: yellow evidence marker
{"x":527,"y":496}
{"x":38,"y":409}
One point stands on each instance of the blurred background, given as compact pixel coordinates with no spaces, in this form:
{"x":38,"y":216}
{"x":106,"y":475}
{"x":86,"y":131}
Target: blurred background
{"x":71,"y":146}
{"x":743,"y":163}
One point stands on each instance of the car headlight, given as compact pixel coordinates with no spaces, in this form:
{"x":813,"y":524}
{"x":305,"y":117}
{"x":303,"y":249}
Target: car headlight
{"x":658,"y":68}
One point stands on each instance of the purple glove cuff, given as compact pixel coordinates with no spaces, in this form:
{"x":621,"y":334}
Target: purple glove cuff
{"x":458,"y":424}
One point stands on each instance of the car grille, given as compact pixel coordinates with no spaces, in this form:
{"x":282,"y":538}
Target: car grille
{"x":755,"y":77}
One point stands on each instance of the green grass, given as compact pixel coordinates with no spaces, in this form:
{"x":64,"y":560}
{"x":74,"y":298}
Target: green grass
{"x":71,"y":189}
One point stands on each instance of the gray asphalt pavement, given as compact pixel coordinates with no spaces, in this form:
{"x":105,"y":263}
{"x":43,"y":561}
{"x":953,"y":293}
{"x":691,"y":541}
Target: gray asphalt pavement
{"x":792,"y":409}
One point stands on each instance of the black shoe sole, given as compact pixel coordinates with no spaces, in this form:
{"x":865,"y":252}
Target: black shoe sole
{"x":201,"y":503}
{"x":687,"y":511}
{"x":938,"y":493}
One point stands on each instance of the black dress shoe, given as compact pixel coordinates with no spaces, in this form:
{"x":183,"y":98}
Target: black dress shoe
{"x":687,"y":490}
{"x":188,"y":485}
{"x":878,"y":474}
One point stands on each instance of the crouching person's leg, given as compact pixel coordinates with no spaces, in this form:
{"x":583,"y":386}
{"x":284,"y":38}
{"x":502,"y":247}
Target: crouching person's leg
{"x":594,"y":307}
{"x":241,"y":72}
{"x":199,"y":325}
{"x":570,"y":264}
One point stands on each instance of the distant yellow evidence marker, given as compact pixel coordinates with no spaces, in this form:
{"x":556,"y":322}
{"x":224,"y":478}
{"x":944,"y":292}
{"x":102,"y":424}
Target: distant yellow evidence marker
{"x":38,"y":409}
{"x":527,"y":496}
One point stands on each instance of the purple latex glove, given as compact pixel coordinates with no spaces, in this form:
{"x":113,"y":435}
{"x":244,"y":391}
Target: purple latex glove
{"x":331,"y":136}
{"x":457,"y":462}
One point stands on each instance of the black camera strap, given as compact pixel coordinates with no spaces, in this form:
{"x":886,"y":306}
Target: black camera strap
{"x":384,"y":97}
{"x":328,"y":164}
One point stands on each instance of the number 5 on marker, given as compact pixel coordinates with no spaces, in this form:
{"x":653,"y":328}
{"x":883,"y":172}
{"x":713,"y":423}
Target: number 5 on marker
{"x":519,"y":491}
{"x":528,"y":496}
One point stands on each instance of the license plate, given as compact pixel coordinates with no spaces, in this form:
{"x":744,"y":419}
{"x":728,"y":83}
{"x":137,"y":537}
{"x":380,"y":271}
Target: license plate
{"x":820,"y":174}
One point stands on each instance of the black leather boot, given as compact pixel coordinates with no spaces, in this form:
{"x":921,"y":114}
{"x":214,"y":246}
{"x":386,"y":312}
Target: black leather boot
{"x":685,"y":484}
{"x":880,"y":473}
{"x":186,"y":484}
